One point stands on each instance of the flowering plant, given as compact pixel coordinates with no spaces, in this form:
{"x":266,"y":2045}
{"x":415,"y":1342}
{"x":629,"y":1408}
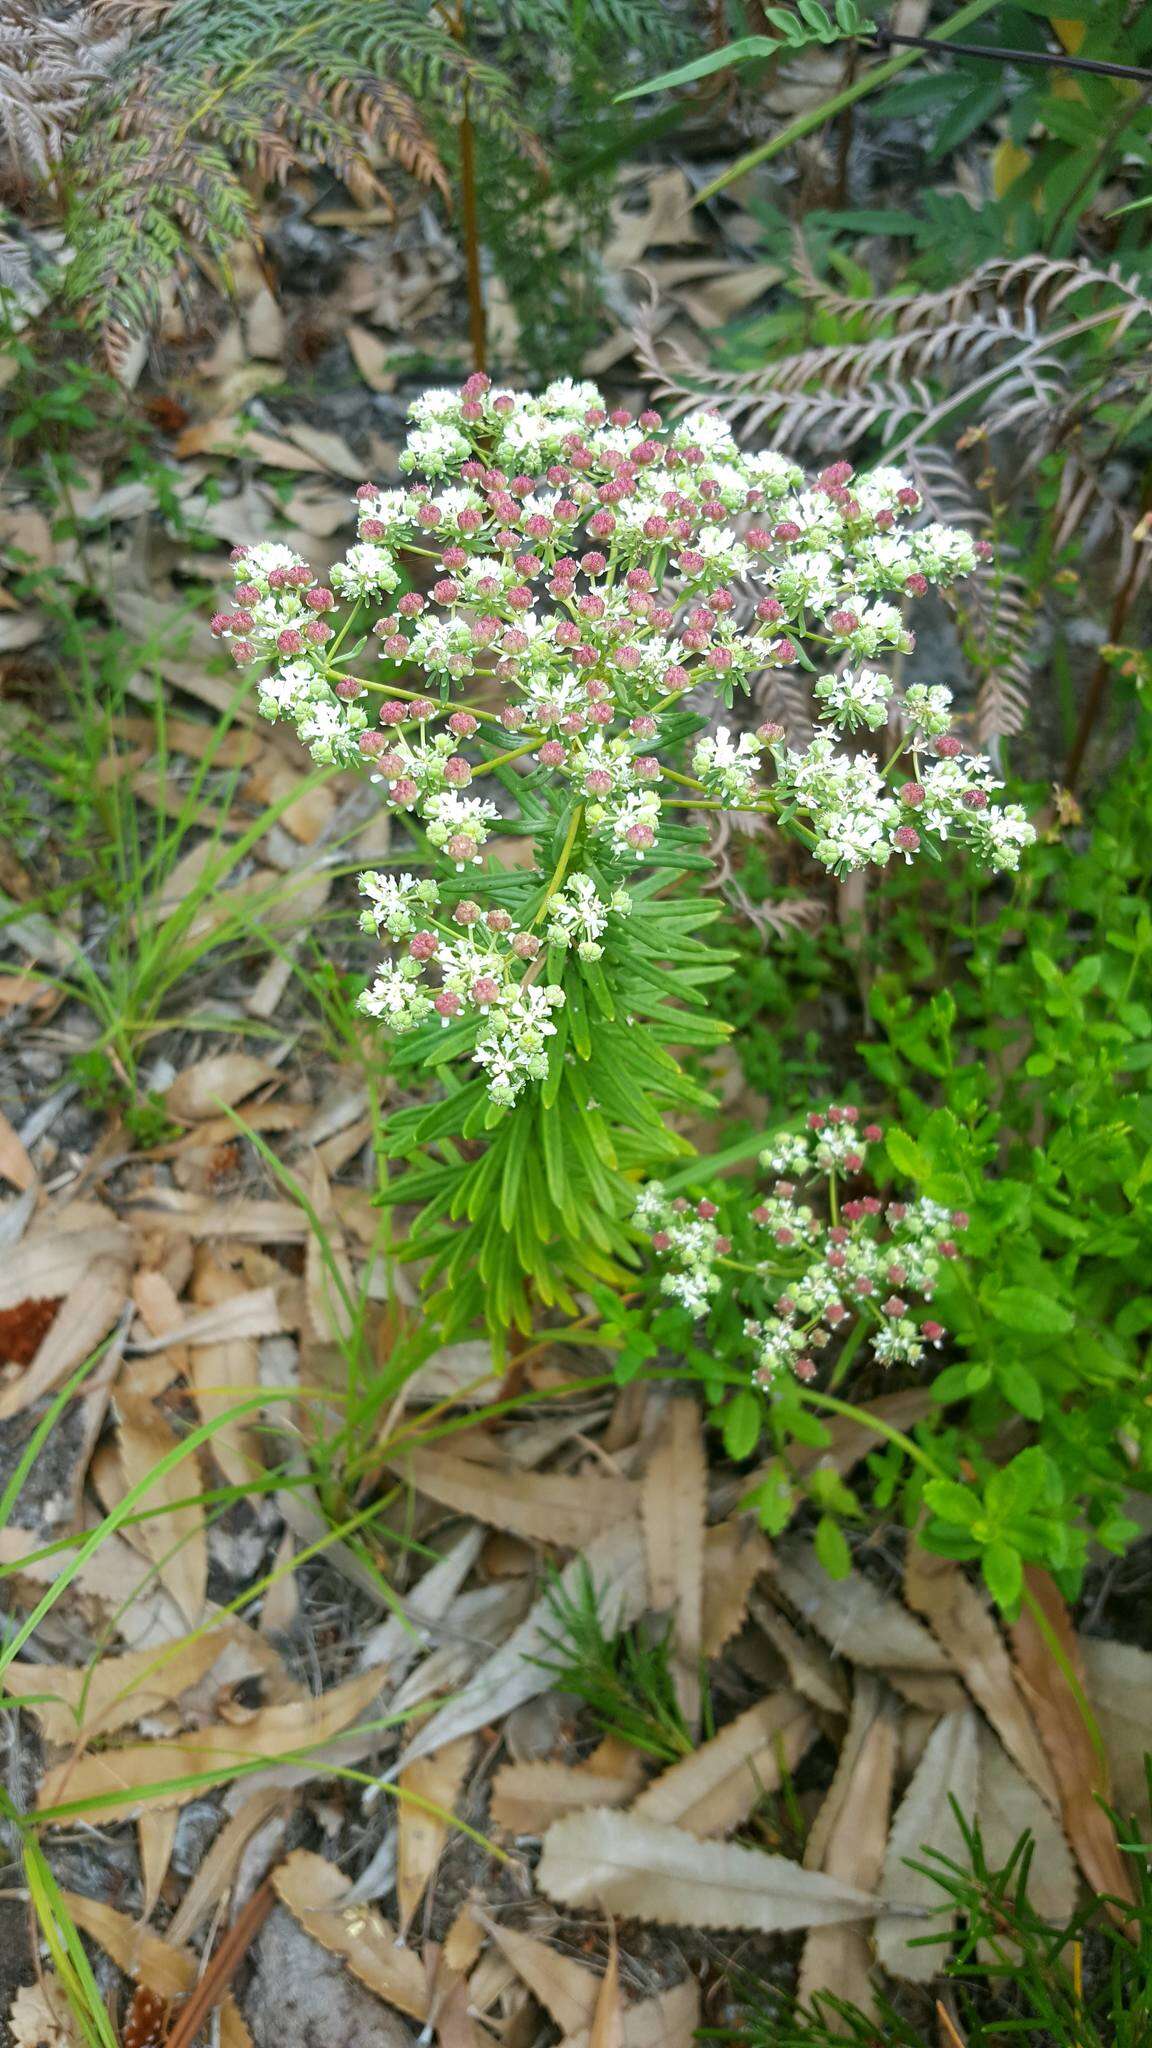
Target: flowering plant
{"x":566,"y":605}
{"x":806,"y":1268}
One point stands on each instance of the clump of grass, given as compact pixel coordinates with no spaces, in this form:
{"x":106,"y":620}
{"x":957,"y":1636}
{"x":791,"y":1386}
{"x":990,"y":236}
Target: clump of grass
{"x":624,"y":1677}
{"x":1014,"y":1976}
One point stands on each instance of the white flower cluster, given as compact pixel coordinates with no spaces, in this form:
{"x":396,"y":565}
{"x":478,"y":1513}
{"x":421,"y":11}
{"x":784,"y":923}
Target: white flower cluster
{"x":578,"y":915}
{"x":810,"y":1270}
{"x":486,"y":968}
{"x":554,"y":588}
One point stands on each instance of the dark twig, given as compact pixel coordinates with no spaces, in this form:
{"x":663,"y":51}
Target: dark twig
{"x":886,"y":39}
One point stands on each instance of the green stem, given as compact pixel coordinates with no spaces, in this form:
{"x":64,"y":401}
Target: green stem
{"x":872,"y":1423}
{"x":561,"y":868}
{"x":828,"y":109}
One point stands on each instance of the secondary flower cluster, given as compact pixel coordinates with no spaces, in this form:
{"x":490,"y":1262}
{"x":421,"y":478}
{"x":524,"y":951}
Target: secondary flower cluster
{"x":835,"y":1262}
{"x":474,"y":965}
{"x":577,"y":571}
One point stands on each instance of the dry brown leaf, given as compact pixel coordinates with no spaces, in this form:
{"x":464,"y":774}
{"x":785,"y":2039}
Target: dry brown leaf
{"x":432,"y":1781}
{"x":811,"y":1668}
{"x":735,"y":1554}
{"x":140,"y":1775}
{"x":715,"y":1788}
{"x":329,"y":450}
{"x":38,"y":2016}
{"x":312,"y":1890}
{"x":147,"y":1959}
{"x":142,"y":1955}
{"x":1008,"y":1804}
{"x":607,"y":2029}
{"x":644,"y":1871}
{"x":249,"y":1222}
{"x":371,"y":357}
{"x":226,"y":1078}
{"x":566,"y":1989}
{"x":1119,"y":1678}
{"x":527,"y":1798}
{"x":925,"y":1819}
{"x":86,"y":1701}
{"x":214,"y":1875}
{"x":89,"y":1311}
{"x":15,"y":1165}
{"x":175,"y":1540}
{"x":264,"y":326}
{"x":958,"y":1616}
{"x":674,"y":1511}
{"x":1080,"y":1771}
{"x":616,"y":1567}
{"x":222,"y":1371}
{"x":669,"y":2021}
{"x":848,"y":1842}
{"x":547,"y":1507}
{"x":156,"y":1835}
{"x":144,"y":1613}
{"x":860,"y":1622}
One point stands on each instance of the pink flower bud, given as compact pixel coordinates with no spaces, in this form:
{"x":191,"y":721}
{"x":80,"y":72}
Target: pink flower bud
{"x":948,"y":747}
{"x":916,"y":585}
{"x":319,"y":599}
{"x":644,"y":726}
{"x":404,"y":790}
{"x":932,"y":1331}
{"x":598,"y":782}
{"x":457,"y":773}
{"x":243,"y":651}
{"x":552,"y":754}
{"x":912,"y":794}
{"x":316,"y":632}
{"x":373,"y":745}
{"x":646,"y":768}
{"x":660,"y":1240}
{"x":975,"y":800}
{"x":787,"y":529}
{"x":392,"y":712}
{"x":706,"y":1211}
{"x":348,"y":688}
{"x":422,"y":708}
{"x":906,"y":838}
{"x":894,"y":1306}
{"x":446,"y":1004}
{"x":873,"y":1133}
{"x":467,"y":911}
{"x":498,"y":921}
{"x":601,"y":713}
{"x":641,"y":837}
{"x":526,"y":945}
{"x":485,"y":990}
{"x":290,"y":641}
{"x":461,"y":847}
{"x":423,"y":945}
{"x":770,"y":732}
